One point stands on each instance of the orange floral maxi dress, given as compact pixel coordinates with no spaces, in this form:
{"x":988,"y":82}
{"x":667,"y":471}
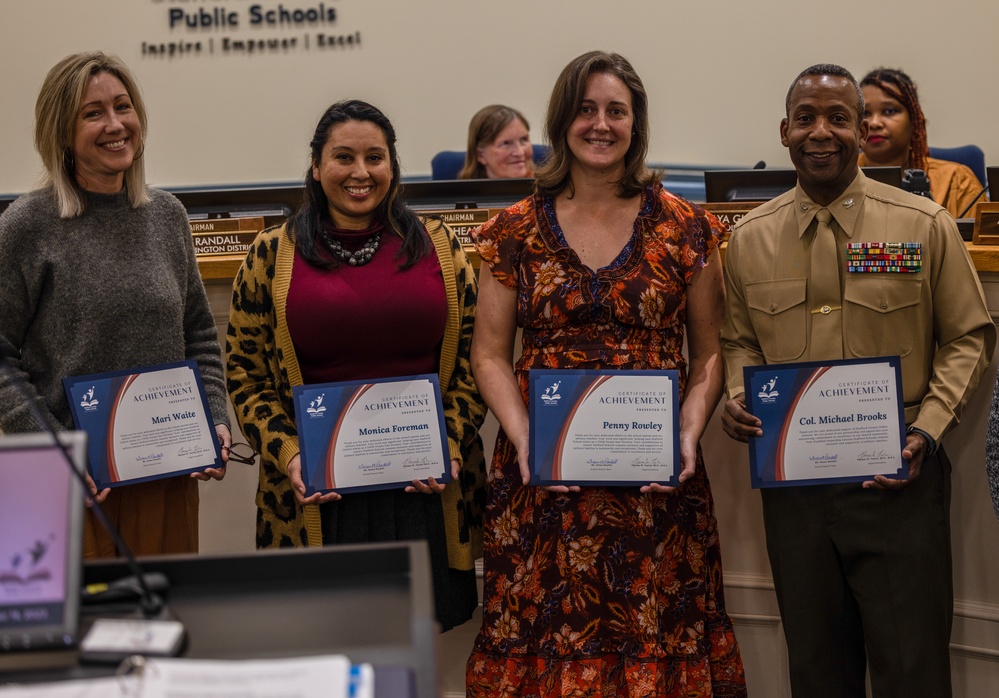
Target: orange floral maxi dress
{"x":605,"y":592}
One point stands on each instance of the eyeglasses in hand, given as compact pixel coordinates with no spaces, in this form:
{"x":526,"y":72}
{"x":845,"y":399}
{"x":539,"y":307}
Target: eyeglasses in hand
{"x":241,"y":453}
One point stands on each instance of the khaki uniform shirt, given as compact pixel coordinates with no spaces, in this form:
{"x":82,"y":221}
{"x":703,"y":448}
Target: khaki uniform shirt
{"x":934,"y":319}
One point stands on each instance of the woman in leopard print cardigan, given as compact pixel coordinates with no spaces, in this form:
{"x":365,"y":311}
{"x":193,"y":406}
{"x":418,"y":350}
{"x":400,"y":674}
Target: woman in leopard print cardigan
{"x":266,"y":359}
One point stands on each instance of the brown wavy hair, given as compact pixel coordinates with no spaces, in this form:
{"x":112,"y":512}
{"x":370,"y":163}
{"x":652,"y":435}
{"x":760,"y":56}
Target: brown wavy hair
{"x":553,"y":177}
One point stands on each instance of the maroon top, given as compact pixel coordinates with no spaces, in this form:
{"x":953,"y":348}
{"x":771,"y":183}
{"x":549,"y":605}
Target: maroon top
{"x":370,"y":321}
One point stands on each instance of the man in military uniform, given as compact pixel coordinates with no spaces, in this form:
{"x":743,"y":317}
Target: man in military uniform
{"x":862,"y":572}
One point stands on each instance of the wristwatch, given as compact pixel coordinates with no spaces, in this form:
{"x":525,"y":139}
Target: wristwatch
{"x":931,"y":444}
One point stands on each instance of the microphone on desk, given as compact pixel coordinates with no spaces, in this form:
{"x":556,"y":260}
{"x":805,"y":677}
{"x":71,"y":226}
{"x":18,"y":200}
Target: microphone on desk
{"x":761,"y":165}
{"x":140,"y":584}
{"x":916,"y":182}
{"x":973,"y":201}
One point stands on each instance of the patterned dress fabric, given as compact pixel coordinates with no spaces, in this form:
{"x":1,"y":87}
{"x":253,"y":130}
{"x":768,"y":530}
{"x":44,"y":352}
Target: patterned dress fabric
{"x":605,"y":592}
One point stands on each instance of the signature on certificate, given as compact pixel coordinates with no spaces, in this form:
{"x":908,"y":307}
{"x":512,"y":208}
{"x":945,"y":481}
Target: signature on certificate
{"x":411,"y":462}
{"x":880,"y":455}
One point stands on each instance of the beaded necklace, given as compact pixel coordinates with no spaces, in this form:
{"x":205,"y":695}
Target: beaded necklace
{"x":355,"y":259}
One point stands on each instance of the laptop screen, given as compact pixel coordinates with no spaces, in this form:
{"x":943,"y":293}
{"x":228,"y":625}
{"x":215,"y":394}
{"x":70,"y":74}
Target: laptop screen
{"x":41,"y":532}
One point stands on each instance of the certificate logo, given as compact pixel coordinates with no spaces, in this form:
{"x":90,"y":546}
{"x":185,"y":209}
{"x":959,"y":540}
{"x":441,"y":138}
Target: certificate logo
{"x":550,"y":395}
{"x":316,"y":408}
{"x":768,"y":393}
{"x":89,"y":403}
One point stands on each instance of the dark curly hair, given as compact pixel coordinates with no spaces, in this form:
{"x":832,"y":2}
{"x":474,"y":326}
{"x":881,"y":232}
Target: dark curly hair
{"x":900,"y":87}
{"x":304,"y":224}
{"x":563,"y":106}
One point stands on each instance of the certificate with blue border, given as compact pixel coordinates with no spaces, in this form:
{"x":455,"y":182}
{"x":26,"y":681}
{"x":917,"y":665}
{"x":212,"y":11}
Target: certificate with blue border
{"x":604,"y":427}
{"x":371,"y":435}
{"x":824,"y":422}
{"x":144,"y":423}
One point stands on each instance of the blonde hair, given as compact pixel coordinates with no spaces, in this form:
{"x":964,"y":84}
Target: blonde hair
{"x":483,"y":129}
{"x":55,"y":126}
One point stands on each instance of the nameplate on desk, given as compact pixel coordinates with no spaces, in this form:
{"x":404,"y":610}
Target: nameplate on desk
{"x":729,"y":212}
{"x":986,"y":223}
{"x":219,"y":237}
{"x":462,"y":221}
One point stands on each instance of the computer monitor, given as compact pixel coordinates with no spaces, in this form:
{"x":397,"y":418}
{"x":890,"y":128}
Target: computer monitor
{"x":279,"y":198}
{"x":41,"y":539}
{"x":465,"y":193}
{"x":992,"y":174}
{"x":763,"y":185}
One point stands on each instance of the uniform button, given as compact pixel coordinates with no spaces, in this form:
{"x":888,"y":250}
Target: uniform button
{"x":773,"y":308}
{"x":884,"y":304}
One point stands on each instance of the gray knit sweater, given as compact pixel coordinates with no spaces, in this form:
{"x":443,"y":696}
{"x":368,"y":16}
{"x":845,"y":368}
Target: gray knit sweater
{"x":115,"y":288}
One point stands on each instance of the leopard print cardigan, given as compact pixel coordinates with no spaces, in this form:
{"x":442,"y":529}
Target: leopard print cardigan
{"x":262,"y":369}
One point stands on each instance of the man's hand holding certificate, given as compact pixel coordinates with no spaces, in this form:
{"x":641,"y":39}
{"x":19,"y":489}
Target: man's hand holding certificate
{"x":604,"y":427}
{"x":368,"y":435}
{"x":841,"y":421}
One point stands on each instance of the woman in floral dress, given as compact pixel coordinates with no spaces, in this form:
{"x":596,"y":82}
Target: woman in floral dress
{"x":600,"y":591}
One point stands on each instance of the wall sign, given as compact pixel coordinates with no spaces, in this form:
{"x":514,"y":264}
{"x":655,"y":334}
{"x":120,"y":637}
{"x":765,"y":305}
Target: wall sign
{"x":195,"y":28}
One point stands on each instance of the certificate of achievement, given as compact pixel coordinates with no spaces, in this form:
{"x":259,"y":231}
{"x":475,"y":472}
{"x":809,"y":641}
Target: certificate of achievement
{"x":371,"y":435}
{"x":837,"y":421}
{"x":604,"y":427}
{"x":144,"y":424}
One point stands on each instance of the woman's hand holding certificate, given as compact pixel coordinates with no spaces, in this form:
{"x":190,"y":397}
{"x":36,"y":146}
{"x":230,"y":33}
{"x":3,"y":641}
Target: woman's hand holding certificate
{"x":605,"y":428}
{"x":366,"y":435}
{"x":145,"y":424}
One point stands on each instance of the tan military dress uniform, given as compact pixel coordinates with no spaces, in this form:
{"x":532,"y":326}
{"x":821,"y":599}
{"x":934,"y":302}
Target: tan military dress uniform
{"x":858,"y":567}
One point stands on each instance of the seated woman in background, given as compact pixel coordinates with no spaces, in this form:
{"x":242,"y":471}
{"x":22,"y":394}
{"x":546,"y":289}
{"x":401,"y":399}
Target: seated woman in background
{"x":98,"y":273}
{"x":499,"y":145}
{"x":356,"y":286}
{"x":898,"y":138}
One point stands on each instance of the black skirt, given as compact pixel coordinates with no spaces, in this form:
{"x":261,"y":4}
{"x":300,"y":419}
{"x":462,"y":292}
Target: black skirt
{"x":395,"y":515}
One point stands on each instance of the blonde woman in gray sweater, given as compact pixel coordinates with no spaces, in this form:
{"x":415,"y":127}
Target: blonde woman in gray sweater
{"x":98,"y":273}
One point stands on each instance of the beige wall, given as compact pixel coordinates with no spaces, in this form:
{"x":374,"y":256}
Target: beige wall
{"x":716,"y":73}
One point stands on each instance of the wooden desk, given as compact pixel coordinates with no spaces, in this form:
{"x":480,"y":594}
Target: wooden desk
{"x":219,"y":268}
{"x":985,"y":257}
